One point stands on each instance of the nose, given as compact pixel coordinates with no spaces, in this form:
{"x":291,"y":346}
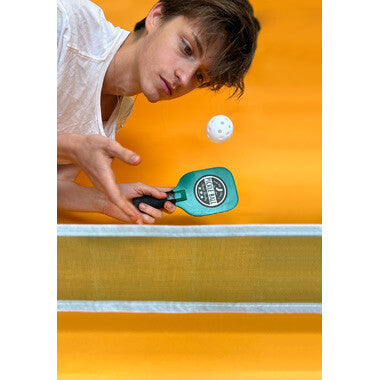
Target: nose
{"x":185,"y":74}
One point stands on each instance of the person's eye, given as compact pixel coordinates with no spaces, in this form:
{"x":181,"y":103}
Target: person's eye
{"x":187,"y":48}
{"x":200,"y":78}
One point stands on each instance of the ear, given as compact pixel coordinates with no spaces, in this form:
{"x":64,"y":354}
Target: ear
{"x":153,"y":18}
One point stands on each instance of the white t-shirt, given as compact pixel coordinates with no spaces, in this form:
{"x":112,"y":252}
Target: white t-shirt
{"x":86,"y":44}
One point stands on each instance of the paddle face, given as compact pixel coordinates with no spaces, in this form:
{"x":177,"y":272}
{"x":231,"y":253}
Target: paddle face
{"x":206,"y":192}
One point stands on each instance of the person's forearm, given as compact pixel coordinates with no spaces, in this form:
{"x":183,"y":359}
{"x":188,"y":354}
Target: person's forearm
{"x":73,"y":197}
{"x":66,"y":145}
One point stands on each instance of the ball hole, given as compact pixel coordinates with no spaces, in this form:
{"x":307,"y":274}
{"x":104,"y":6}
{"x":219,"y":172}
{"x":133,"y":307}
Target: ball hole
{"x":219,"y":131}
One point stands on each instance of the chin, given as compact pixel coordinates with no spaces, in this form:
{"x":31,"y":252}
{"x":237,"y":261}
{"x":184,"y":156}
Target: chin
{"x":152,"y":100}
{"x":152,"y":97}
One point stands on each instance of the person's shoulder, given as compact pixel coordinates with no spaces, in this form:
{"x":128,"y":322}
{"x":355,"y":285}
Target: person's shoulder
{"x":86,"y":26}
{"x":90,"y":33}
{"x":79,"y":9}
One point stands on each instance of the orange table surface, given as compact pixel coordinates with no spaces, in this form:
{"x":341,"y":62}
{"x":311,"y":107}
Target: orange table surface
{"x":191,"y":346}
{"x":275,"y":150}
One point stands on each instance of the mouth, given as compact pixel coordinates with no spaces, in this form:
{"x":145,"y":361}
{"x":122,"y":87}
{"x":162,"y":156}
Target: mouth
{"x":166,"y":86}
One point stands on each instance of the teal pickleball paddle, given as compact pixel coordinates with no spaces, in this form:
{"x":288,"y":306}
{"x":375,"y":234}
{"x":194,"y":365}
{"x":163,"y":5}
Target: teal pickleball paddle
{"x":199,"y":193}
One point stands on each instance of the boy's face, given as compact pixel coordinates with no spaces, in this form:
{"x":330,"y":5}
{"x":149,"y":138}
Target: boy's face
{"x":172,"y":60}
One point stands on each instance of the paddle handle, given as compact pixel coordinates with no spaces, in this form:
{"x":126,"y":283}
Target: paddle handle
{"x":154,"y":202}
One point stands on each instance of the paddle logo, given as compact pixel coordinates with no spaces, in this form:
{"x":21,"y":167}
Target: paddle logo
{"x":210,"y":191}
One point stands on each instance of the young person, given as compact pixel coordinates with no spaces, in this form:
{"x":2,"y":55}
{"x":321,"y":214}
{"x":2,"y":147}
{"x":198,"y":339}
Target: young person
{"x":178,"y":47}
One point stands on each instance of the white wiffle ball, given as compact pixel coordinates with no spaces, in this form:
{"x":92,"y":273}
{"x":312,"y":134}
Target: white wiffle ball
{"x":219,"y":128}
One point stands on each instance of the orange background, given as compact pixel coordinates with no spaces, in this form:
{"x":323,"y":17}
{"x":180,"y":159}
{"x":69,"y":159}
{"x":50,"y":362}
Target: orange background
{"x":275,"y":150}
{"x":189,"y":346}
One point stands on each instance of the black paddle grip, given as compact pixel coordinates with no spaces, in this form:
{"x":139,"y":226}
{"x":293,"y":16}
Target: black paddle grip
{"x":154,"y":202}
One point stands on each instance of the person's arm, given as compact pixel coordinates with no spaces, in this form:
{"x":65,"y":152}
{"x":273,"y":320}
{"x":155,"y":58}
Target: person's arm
{"x":78,"y":198}
{"x":94,"y":154}
{"x":73,"y":197}
{"x":67,"y":172}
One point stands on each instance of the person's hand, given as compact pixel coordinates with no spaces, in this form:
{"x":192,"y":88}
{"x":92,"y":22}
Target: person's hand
{"x":133,"y":190}
{"x":94,"y":154}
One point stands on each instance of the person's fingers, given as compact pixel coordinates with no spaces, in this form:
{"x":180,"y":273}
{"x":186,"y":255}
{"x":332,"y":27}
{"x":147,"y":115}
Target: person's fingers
{"x":153,"y":191}
{"x":124,"y":154}
{"x":129,"y":210}
{"x":154,"y":212}
{"x":164,"y":189}
{"x":104,"y":180}
{"x":113,"y":192}
{"x":169,"y":207}
{"x":156,"y":192}
{"x":148,"y":219}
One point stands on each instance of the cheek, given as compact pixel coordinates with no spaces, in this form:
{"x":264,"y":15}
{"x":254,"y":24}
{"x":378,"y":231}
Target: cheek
{"x":157,"y":59}
{"x":150,"y":52}
{"x":168,"y":57}
{"x":167,"y":53}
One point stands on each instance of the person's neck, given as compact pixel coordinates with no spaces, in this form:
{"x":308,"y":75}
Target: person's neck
{"x":121,"y":76}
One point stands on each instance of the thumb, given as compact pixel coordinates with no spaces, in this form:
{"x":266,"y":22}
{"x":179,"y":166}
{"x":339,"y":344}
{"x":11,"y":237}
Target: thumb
{"x":124,"y":154}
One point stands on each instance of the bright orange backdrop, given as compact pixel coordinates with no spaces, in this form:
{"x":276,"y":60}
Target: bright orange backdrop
{"x":275,"y":151}
{"x":117,"y":346}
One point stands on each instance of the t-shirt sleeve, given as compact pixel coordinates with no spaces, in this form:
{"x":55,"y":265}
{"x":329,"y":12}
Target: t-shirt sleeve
{"x":83,"y":27}
{"x":63,"y":30}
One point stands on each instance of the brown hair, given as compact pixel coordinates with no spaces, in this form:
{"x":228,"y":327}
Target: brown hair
{"x":234,"y":21}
